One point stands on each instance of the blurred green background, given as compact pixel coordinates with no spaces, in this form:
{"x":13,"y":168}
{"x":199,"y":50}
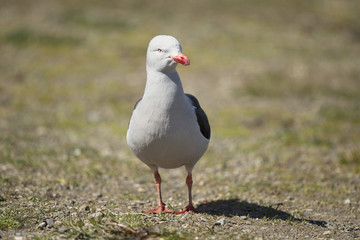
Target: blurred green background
{"x":260,"y":68}
{"x":279,"y":80}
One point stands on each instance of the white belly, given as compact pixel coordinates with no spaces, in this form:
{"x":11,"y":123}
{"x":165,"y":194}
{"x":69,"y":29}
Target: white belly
{"x":166,"y":138}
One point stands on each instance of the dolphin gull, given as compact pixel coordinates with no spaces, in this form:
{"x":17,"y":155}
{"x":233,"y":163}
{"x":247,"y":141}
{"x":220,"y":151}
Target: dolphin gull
{"x":168,"y":128}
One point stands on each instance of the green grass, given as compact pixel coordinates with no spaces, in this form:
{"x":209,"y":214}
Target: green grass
{"x":25,"y":37}
{"x":10,"y":219}
{"x":351,"y":160}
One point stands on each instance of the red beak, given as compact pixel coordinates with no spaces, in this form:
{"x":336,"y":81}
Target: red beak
{"x":181,"y":58}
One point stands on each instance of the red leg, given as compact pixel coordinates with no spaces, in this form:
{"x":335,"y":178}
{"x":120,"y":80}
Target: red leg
{"x":161,"y":206}
{"x":190,"y":207}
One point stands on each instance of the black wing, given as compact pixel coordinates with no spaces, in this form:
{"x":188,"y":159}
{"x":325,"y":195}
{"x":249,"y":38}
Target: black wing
{"x":135,"y":107}
{"x":201,"y":117}
{"x":137,"y":103}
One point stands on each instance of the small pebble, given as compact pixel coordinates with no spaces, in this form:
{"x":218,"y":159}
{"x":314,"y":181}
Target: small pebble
{"x":289,"y":198}
{"x":243,"y":217}
{"x":42,"y":225}
{"x":327,"y":233}
{"x":96,"y":215}
{"x":329,"y":226}
{"x":63,"y":230}
{"x":221,"y":222}
{"x":77,"y":152}
{"x":141,"y":190}
{"x":85,"y":207}
{"x":97,"y":195}
{"x":49,"y":223}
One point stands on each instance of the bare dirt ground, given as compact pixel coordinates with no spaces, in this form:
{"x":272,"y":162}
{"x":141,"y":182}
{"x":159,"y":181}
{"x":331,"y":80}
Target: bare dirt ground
{"x":279,"y":80}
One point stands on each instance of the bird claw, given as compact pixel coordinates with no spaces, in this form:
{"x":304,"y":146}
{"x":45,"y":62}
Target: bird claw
{"x":189,"y":208}
{"x":159,"y":209}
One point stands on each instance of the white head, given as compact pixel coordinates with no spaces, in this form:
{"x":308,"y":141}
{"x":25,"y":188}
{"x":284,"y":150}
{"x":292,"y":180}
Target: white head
{"x":163,"y":54}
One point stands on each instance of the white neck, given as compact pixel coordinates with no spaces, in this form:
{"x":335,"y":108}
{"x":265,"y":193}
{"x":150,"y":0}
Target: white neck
{"x":163,"y":84}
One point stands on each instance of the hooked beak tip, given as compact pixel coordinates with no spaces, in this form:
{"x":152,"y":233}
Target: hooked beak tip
{"x":182,"y":59}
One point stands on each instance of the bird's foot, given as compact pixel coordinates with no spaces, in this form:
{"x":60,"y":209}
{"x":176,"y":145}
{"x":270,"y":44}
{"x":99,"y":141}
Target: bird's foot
{"x":189,"y":208}
{"x":159,"y":209}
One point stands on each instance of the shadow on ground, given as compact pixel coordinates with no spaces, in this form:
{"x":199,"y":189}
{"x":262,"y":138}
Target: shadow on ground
{"x":235,"y":207}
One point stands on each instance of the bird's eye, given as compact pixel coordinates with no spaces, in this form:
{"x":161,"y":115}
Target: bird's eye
{"x":159,"y":50}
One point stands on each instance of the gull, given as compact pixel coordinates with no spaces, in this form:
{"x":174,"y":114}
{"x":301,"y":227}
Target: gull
{"x":168,"y":128}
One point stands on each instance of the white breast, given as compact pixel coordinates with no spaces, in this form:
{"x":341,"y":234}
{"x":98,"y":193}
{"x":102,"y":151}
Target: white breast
{"x":163,"y":130}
